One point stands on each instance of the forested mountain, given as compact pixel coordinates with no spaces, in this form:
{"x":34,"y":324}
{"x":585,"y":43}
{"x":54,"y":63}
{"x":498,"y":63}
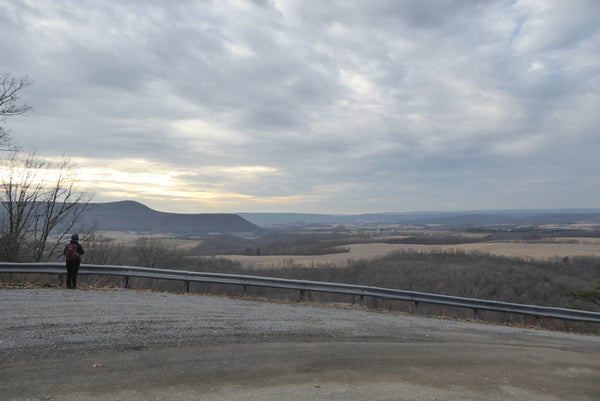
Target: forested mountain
{"x":133,"y":216}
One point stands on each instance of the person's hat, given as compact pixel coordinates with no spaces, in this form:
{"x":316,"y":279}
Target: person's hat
{"x":75,"y":237}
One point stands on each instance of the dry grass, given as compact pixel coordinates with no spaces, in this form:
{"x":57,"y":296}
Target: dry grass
{"x":563,"y":247}
{"x":576,"y":247}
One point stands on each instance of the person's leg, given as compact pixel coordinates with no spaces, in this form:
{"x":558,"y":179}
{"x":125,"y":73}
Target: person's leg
{"x":75,"y":270}
{"x":71,"y":274}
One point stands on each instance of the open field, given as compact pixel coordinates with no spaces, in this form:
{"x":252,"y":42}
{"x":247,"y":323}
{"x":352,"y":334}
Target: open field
{"x":572,"y":247}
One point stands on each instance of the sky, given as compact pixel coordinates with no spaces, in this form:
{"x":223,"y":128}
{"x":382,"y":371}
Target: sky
{"x":346,"y":106}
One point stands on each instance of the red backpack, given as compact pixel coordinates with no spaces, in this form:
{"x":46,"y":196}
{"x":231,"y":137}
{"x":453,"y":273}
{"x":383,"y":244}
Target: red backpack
{"x":71,"y":252}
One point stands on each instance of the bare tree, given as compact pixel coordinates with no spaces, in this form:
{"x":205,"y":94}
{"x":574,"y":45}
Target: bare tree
{"x":100,"y":250}
{"x":150,"y":252}
{"x":41,"y":205}
{"x":10,"y":93}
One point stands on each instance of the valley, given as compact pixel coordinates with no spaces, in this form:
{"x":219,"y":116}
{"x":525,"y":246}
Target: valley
{"x":573,"y":248}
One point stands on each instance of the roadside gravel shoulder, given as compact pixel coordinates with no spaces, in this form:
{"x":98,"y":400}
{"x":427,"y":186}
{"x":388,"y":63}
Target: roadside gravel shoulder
{"x":52,"y":320}
{"x":122,"y":344}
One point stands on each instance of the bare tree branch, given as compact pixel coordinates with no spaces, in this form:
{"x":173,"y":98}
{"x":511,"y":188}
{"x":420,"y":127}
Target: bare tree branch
{"x":41,"y":205}
{"x":10,"y":88}
{"x":10,"y":93}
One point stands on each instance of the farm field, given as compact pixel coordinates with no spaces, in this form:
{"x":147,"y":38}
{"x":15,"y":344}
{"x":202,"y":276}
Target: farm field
{"x":547,"y":250}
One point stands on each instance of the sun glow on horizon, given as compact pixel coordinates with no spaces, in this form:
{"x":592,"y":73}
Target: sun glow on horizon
{"x":215,"y":187}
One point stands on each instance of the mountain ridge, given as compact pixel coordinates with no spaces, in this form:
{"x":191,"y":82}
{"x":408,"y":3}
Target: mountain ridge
{"x":133,"y":216}
{"x":136,"y":217}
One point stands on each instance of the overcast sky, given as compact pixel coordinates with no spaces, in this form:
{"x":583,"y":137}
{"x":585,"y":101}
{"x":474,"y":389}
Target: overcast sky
{"x":314,"y":106}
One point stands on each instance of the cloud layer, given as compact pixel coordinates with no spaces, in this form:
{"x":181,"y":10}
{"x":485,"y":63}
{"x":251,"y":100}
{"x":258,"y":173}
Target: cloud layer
{"x":345,"y":106}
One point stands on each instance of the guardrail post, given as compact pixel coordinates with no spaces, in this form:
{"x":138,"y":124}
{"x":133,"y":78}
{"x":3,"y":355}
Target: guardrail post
{"x":244,"y":290}
{"x":416,"y":307}
{"x":361,"y":300}
{"x":187,"y":286}
{"x":301,"y":295}
{"x":60,"y":280}
{"x":475,"y":314}
{"x":125,"y":282}
{"x":538,"y":322}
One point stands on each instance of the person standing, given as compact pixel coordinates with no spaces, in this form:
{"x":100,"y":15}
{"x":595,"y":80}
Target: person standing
{"x":73,"y":252}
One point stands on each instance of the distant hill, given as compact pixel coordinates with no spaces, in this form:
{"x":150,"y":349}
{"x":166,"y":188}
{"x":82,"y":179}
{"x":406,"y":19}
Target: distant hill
{"x":133,"y":216}
{"x":289,"y":219}
{"x":136,"y":217}
{"x":441,"y":219}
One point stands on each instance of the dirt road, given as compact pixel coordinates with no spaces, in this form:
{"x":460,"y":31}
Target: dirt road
{"x":126,"y":345}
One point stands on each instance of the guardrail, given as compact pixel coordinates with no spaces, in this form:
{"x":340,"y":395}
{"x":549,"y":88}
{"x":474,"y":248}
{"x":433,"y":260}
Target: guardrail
{"x":303,"y":285}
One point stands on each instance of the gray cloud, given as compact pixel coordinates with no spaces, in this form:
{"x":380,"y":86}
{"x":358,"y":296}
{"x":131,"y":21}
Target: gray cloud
{"x":346,"y":106}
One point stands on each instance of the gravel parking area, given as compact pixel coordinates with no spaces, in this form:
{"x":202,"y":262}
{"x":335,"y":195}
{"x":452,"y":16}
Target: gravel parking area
{"x":60,"y":344}
{"x":58,"y":320}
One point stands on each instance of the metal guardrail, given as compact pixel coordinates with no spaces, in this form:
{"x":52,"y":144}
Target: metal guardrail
{"x":303,"y":285}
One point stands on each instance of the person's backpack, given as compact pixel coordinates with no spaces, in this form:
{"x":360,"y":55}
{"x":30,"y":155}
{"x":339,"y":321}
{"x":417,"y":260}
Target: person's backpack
{"x":71,"y":252}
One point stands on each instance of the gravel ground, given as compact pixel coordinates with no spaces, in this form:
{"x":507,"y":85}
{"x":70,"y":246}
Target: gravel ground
{"x":58,"y":344}
{"x":59,"y":320}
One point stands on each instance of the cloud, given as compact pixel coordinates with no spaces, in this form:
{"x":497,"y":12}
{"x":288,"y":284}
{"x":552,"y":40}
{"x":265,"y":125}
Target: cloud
{"x":342,"y":106}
